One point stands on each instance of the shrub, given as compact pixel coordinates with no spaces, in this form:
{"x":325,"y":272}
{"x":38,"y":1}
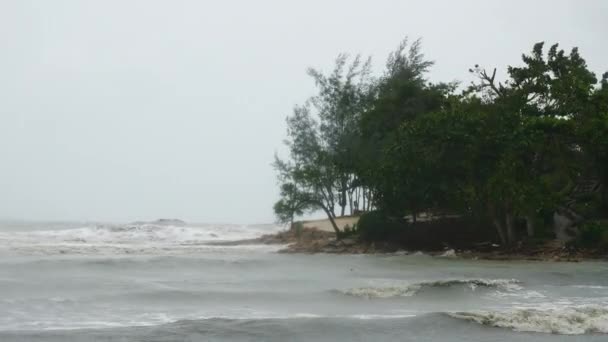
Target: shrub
{"x":377,"y":226}
{"x":297,"y":227}
{"x":593,"y":234}
{"x":589,"y":206}
{"x":348,"y":232}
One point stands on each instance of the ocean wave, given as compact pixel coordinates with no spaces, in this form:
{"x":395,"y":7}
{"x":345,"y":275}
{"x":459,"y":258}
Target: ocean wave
{"x":592,"y":287}
{"x":162,"y":319}
{"x":408,"y":290}
{"x":132,"y":236}
{"x":57,"y":324}
{"x":566,"y":320}
{"x":141,"y":250}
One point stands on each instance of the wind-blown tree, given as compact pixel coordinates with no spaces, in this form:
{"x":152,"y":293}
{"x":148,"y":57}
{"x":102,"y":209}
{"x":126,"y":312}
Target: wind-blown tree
{"x":342,"y":97}
{"x":592,"y":133}
{"x":506,"y":151}
{"x":498,"y":149}
{"x":291,"y":204}
{"x":487,"y":160}
{"x":307,"y":179}
{"x":402,"y":95}
{"x":318,"y":175}
{"x":540,"y":104}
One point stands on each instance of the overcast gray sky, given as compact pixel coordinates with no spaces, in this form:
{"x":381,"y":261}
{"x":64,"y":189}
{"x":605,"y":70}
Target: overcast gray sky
{"x":126,"y":110}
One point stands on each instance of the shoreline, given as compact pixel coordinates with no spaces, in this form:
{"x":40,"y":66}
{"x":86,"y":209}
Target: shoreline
{"x":315,"y":241}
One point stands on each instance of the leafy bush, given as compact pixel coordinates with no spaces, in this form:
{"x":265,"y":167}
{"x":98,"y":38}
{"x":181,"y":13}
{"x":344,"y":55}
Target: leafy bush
{"x":593,"y":234}
{"x":297,"y":227}
{"x":377,"y":226}
{"x":348,"y":232}
{"x":589,"y":205}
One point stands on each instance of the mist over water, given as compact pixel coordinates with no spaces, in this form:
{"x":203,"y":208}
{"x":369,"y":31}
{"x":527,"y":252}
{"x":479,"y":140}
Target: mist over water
{"x":165,"y":282}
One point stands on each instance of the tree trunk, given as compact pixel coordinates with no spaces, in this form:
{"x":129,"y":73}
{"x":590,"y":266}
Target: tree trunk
{"x":350,"y":201}
{"x":333,"y":222}
{"x":530,"y":225}
{"x":414,"y":211}
{"x":343,"y":201}
{"x":363,"y":194}
{"x":356,"y":200}
{"x":500,"y":231}
{"x":510,"y":228}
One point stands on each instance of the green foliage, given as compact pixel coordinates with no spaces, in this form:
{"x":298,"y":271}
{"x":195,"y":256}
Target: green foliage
{"x":348,"y":232}
{"x":403,"y":95}
{"x":493,"y":150}
{"x":589,"y":206}
{"x":298,"y":227}
{"x":292,"y":203}
{"x":593,"y":234}
{"x":318,"y":174}
{"x":509,"y":152}
{"x":378,"y":226}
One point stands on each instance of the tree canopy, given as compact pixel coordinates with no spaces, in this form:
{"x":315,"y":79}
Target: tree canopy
{"x":505,"y":151}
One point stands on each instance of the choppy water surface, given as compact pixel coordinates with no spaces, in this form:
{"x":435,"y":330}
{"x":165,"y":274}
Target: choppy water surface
{"x":150,"y":282}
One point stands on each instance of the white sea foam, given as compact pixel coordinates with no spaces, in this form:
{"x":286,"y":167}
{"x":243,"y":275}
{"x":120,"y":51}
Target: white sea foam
{"x":377,"y":316}
{"x":80,"y":322}
{"x":518,"y":294}
{"x":570,"y":320}
{"x":407,"y":290}
{"x":267,"y":315}
{"x":382,"y":292}
{"x":131,"y":238}
{"x":450,"y":253}
{"x":144,"y":233}
{"x":157,"y":319}
{"x":592,"y":287}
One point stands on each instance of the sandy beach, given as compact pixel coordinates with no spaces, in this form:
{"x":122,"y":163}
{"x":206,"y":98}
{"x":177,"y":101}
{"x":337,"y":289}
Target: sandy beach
{"x":325,"y":224}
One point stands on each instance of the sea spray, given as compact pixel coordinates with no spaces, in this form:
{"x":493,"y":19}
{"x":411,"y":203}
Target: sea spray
{"x":565,"y":320}
{"x":407,"y":290}
{"x":145,"y":238}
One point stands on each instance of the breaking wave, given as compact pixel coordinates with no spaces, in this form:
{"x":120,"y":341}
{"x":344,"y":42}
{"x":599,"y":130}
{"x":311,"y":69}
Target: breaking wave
{"x":142,"y":233}
{"x":158,"y":320}
{"x":130,"y":238}
{"x":412,"y":289}
{"x":568,"y":320}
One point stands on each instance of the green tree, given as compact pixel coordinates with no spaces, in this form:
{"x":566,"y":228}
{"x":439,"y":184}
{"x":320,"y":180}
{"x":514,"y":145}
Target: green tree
{"x":291,"y":204}
{"x":538,"y":105}
{"x":592,"y":133}
{"x":307,"y":179}
{"x":505,"y":151}
{"x":318,"y":175}
{"x":402,"y":95}
{"x":342,"y":97}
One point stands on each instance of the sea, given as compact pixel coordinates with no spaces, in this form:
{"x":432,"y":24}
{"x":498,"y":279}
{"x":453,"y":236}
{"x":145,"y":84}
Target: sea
{"x":169,"y":281}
